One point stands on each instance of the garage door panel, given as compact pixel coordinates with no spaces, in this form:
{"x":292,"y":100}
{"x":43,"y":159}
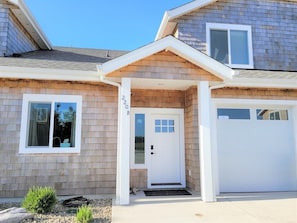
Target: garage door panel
{"x":256,"y":155}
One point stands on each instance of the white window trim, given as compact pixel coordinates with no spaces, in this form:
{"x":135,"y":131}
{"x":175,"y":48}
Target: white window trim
{"x":23,"y":149}
{"x":228,"y":27}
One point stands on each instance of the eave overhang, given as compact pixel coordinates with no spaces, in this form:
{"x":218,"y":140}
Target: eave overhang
{"x":168,"y":25}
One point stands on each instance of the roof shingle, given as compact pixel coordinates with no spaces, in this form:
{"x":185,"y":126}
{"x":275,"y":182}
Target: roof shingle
{"x":66,"y":58}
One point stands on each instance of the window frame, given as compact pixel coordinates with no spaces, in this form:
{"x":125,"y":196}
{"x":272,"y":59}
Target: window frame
{"x":49,"y":98}
{"x":228,"y":28}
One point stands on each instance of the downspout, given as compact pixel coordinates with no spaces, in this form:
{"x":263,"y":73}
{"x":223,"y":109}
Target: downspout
{"x":119,"y":136}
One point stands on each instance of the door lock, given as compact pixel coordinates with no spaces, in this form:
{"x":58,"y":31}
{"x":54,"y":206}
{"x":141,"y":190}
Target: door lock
{"x":152,"y":147}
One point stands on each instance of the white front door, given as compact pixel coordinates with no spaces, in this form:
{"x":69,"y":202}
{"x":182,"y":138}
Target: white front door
{"x":165,"y":168}
{"x":164,"y":146}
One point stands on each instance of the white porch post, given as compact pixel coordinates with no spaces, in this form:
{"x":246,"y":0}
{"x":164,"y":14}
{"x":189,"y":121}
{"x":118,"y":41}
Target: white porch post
{"x":206,"y":166}
{"x":123,"y":150}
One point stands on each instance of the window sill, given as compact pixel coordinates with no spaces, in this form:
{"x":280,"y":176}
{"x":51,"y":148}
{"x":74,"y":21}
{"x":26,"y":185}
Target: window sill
{"x":60,"y":150}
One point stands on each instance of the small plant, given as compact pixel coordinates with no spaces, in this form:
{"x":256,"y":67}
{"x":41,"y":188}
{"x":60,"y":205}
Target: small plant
{"x":40,"y":200}
{"x":84,"y":214}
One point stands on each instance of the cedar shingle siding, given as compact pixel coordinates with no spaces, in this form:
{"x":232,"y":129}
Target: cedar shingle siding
{"x":93,"y":171}
{"x":274,"y":29}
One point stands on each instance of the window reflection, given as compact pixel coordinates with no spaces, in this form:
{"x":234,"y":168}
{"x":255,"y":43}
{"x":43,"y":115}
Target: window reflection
{"x":272,"y":114}
{"x":64,"y":125}
{"x":139,"y":139}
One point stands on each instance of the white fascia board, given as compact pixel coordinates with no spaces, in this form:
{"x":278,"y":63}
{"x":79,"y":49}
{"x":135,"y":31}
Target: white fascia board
{"x":174,"y":45}
{"x":31,"y":20}
{"x":177,"y":12}
{"x":189,"y":7}
{"x":48,"y":74}
{"x":262,"y":83}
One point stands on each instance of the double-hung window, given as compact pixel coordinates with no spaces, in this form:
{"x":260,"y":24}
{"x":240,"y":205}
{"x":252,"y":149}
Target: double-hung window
{"x":50,"y":124}
{"x":230,"y":44}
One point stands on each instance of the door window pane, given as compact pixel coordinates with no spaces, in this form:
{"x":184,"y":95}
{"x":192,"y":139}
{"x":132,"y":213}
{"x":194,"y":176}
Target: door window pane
{"x":139,"y":139}
{"x":233,"y":113}
{"x":39,"y":124}
{"x":239,"y":47}
{"x":164,"y":126}
{"x":219,"y":45}
{"x":64,"y":125}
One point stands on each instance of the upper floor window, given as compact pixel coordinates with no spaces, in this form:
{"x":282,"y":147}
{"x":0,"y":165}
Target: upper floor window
{"x":230,"y":44}
{"x":50,"y":124}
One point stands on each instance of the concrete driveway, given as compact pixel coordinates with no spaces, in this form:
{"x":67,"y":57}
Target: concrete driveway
{"x":230,"y":208}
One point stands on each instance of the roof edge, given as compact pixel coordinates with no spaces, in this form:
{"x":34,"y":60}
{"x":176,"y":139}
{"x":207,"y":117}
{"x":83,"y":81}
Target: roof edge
{"x":177,"y":12}
{"x":48,"y":74}
{"x":43,"y":41}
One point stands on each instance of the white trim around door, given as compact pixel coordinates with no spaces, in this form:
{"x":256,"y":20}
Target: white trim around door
{"x":157,"y":144}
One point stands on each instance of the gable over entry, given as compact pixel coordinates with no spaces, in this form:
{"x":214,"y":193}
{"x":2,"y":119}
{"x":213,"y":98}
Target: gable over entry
{"x":172,"y":45}
{"x":166,"y":64}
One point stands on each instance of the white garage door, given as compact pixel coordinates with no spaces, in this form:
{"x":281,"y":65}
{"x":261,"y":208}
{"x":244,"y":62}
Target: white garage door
{"x":256,"y":150}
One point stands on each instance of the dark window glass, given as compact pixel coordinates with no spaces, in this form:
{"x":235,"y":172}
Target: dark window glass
{"x":233,"y":113}
{"x":39,"y":124}
{"x":219,"y":45}
{"x":64,"y":125}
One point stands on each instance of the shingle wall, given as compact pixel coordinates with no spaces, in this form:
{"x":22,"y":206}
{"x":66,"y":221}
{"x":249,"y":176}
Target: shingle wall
{"x":274,"y":29}
{"x":13,"y":37}
{"x":164,"y":65}
{"x":192,"y":139}
{"x":93,"y":171}
{"x":3,"y":28}
{"x":18,"y":40}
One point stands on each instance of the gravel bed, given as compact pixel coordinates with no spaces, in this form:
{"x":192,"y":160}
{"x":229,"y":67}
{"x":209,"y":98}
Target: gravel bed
{"x":102,"y":212}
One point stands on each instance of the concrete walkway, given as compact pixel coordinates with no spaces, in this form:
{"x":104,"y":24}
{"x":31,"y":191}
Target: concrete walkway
{"x":230,"y":208}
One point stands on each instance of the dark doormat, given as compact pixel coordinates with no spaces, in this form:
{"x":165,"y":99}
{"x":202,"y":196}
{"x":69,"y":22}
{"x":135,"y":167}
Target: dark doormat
{"x":166,"y":192}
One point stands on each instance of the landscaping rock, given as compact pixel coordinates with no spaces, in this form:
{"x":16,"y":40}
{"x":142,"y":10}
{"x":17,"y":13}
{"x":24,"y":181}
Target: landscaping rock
{"x":14,"y":215}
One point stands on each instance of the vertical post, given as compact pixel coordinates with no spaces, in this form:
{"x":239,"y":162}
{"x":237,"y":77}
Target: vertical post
{"x":123,"y":151}
{"x":206,"y":165}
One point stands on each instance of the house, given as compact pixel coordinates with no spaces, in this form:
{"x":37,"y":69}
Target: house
{"x":210,"y":105}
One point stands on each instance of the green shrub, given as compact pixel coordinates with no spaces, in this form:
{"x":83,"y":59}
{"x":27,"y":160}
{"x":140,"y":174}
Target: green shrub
{"x":40,"y":200}
{"x":84,"y":214}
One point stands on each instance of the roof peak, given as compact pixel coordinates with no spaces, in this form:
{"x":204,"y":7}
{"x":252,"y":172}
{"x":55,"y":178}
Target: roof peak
{"x":167,"y":24}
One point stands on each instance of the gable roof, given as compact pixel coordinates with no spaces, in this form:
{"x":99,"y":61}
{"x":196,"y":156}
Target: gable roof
{"x":175,"y":46}
{"x":168,"y":25}
{"x":30,"y":24}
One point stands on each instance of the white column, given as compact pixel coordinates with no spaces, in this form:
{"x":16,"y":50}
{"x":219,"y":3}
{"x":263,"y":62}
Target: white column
{"x":123,"y":151}
{"x":206,"y":165}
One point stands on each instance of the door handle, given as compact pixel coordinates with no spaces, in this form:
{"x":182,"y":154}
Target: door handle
{"x":152,"y":153}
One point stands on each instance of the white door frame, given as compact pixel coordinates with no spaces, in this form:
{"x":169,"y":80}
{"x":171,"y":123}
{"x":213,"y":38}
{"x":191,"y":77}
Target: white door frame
{"x":216,"y":103}
{"x":147,"y":164}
